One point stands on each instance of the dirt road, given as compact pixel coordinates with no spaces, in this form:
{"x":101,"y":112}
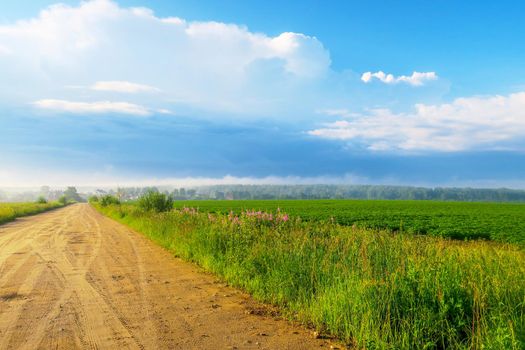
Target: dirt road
{"x":73,"y":279}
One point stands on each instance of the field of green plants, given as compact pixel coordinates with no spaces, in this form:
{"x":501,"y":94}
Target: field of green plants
{"x":504,"y":222}
{"x":373,"y":289}
{"x":10,"y":211}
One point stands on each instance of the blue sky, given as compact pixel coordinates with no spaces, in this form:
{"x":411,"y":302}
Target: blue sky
{"x":138,"y":92}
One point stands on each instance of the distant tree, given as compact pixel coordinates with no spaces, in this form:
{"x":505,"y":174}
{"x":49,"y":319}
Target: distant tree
{"x":109,"y":200}
{"x":41,"y":200}
{"x":44,"y":191}
{"x":72,"y":194}
{"x":100,"y":192}
{"x":63,"y":200}
{"x":120,"y":193}
{"x":155,"y":201}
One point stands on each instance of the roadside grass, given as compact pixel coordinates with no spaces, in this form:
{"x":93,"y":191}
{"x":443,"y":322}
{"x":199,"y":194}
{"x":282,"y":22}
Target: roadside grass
{"x":11,"y":211}
{"x":371,"y":289}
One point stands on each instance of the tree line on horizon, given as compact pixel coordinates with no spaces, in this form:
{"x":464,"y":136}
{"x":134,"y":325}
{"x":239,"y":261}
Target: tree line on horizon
{"x":261,"y":192}
{"x":44,"y":194}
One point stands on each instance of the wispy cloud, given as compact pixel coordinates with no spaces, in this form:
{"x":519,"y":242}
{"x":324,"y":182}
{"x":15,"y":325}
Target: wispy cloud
{"x":123,"y":87}
{"x":464,"y":124}
{"x":416,"y":79}
{"x":106,"y":178}
{"x":338,"y":112}
{"x":5,"y":51}
{"x":234,"y":180}
{"x":100,"y":107}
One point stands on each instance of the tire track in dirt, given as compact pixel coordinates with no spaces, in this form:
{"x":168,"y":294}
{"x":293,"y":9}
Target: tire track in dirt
{"x":73,"y":279}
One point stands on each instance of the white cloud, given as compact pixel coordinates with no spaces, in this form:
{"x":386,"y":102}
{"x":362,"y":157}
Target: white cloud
{"x":4,"y":51}
{"x":416,"y":79}
{"x":101,"y":107}
{"x":123,"y":86}
{"x":342,"y":112}
{"x":466,"y":123}
{"x":201,"y":65}
{"x":164,"y":111}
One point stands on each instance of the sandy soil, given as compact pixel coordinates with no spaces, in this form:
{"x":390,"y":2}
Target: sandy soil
{"x":73,"y":279}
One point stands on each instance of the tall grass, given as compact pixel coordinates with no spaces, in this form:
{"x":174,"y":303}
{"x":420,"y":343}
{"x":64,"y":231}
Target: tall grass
{"x":10,"y":211}
{"x":372,"y":289}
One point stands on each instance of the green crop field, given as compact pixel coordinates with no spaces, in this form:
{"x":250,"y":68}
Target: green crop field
{"x":10,"y":211}
{"x":372,"y":289}
{"x":504,"y":222}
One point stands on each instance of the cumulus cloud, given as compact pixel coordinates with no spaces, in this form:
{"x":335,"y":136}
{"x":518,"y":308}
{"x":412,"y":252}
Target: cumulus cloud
{"x":464,"y":124}
{"x":416,"y":79}
{"x":203,"y":65}
{"x":123,"y":86}
{"x":101,"y":107}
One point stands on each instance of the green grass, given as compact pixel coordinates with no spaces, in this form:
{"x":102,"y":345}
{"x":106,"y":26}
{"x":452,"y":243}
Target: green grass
{"x":503,"y":222}
{"x":372,"y":289}
{"x":10,"y":211}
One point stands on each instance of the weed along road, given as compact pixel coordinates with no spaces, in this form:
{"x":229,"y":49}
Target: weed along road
{"x":73,"y":279}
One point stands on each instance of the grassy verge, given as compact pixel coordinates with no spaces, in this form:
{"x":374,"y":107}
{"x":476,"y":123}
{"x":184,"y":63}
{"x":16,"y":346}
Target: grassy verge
{"x":10,"y":211}
{"x":372,"y":289}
